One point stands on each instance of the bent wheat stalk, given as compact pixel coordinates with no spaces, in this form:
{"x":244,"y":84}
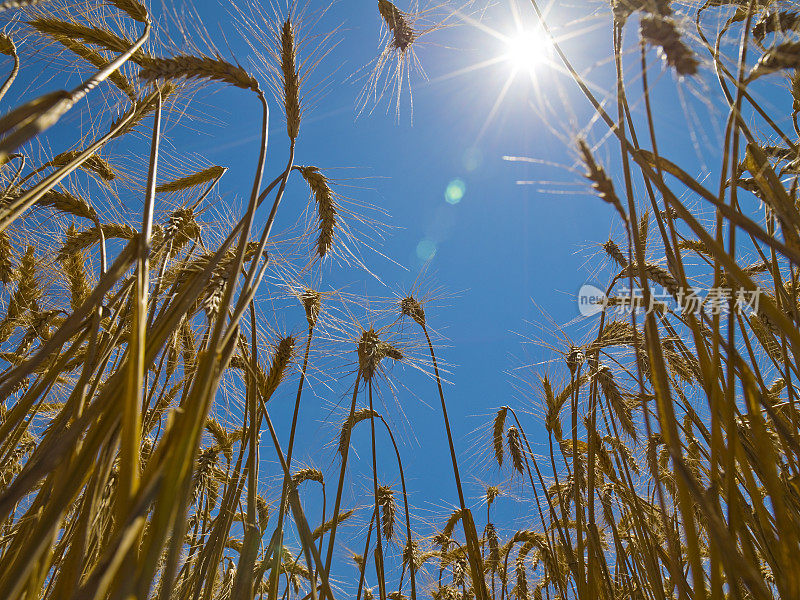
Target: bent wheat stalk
{"x":8,"y":48}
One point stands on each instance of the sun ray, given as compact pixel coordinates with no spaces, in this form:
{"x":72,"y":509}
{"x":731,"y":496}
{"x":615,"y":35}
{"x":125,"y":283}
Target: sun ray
{"x":500,"y":97}
{"x":526,"y":50}
{"x":482,"y":27}
{"x":474,"y":67}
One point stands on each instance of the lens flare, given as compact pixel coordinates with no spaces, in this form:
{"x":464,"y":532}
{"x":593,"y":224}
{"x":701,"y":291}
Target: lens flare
{"x":455,"y":191}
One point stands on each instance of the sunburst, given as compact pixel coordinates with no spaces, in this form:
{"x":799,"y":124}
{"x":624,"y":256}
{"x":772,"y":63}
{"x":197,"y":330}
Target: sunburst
{"x":525,"y":48}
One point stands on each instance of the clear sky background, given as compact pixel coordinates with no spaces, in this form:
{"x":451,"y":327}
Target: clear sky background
{"x":498,"y":256}
{"x":499,"y":253}
{"x":502,"y":255}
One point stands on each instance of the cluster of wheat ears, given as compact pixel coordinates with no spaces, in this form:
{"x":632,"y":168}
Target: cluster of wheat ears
{"x":672,"y":467}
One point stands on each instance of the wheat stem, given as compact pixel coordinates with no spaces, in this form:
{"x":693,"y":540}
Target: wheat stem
{"x":409,"y":540}
{"x":302,"y":525}
{"x":131,"y":420}
{"x":287,"y":482}
{"x":345,"y":447}
{"x":469,"y":527}
{"x":256,"y":272}
{"x":379,"y":569}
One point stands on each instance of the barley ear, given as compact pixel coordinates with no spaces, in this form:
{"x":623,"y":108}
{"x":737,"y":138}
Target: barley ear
{"x":349,"y":423}
{"x":142,"y":108}
{"x":552,"y":420}
{"x":663,"y":33}
{"x":97,"y":60}
{"x":614,"y":252}
{"x":65,"y":202}
{"x":7,"y":258}
{"x":402,"y":33}
{"x":280,"y":361}
{"x":615,"y":399}
{"x":75,"y":271}
{"x":312,"y":302}
{"x":199,"y":178}
{"x":9,"y":4}
{"x":411,"y":307}
{"x":8,"y":48}
{"x":371,"y":351}
{"x":782,"y":56}
{"x":388,"y":504}
{"x":328,"y":525}
{"x":307,"y":474}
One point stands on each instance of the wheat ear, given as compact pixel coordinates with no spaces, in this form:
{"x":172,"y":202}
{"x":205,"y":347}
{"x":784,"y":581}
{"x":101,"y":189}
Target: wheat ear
{"x":326,"y":207}
{"x":402,"y":33}
{"x":290,"y":78}
{"x":185,"y":66}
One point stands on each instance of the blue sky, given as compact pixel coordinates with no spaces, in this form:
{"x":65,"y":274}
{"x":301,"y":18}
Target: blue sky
{"x":500,"y":251}
{"x":501,"y":254}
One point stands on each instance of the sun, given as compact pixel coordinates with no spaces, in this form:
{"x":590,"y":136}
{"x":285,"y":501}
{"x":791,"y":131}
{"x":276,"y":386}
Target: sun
{"x":526,"y":50}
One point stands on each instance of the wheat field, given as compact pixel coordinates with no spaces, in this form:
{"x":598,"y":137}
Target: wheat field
{"x":138,"y":354}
